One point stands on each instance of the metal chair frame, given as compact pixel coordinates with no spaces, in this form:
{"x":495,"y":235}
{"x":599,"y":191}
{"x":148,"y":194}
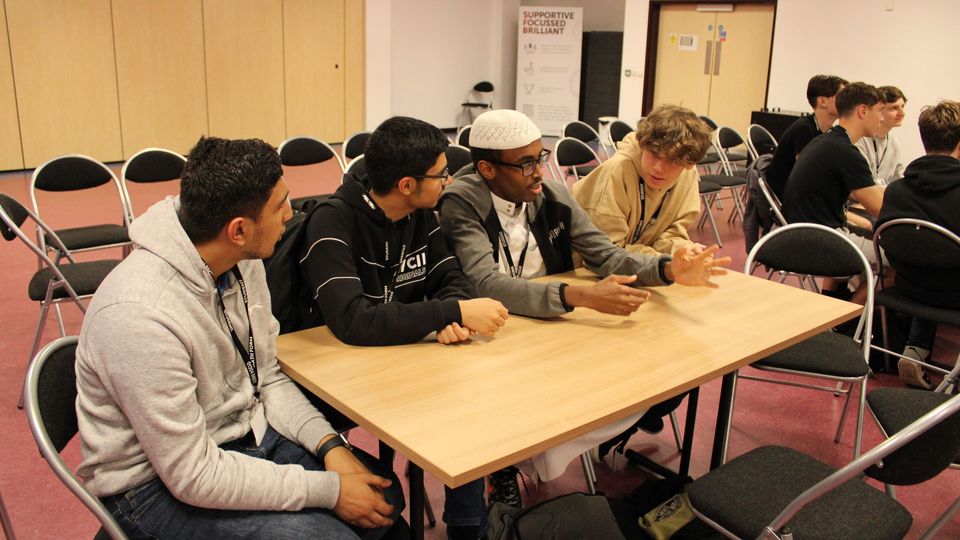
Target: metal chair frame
{"x":38,"y":172}
{"x":852,"y":470}
{"x":566,"y":141}
{"x":48,"y":449}
{"x":347,"y":150}
{"x":864,"y":332}
{"x":951,"y":377}
{"x":752,"y":144}
{"x":582,"y":130}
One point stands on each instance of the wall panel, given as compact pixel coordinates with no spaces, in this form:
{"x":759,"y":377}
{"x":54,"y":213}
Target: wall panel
{"x":66,"y":79}
{"x":162,"y":84}
{"x":355,"y":82}
{"x":244,"y":64}
{"x":313,"y":58}
{"x":11,"y":154}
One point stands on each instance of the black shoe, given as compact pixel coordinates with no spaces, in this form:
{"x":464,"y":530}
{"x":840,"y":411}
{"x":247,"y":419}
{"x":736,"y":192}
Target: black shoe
{"x":504,"y":488}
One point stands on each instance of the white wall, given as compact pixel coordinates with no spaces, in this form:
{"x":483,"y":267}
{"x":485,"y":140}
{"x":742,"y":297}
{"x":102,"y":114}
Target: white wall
{"x":911,"y":47}
{"x":424,"y":55}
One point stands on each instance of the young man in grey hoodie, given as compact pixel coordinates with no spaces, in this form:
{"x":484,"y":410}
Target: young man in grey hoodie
{"x":188,"y":427}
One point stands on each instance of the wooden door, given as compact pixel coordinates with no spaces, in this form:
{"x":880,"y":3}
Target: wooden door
{"x":313,"y":51}
{"x":741,"y":63}
{"x":160,"y":74}
{"x":11,"y":154}
{"x":66,"y":78}
{"x":684,"y":57}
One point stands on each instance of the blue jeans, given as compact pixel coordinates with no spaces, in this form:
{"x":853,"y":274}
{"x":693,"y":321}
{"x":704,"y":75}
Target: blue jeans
{"x":151,"y":511}
{"x":463,"y":506}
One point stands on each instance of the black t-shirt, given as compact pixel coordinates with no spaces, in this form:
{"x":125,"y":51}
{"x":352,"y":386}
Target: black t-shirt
{"x":829,"y":168}
{"x":794,"y":139}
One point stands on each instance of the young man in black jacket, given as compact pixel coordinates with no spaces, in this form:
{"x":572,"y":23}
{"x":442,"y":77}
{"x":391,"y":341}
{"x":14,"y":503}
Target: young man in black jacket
{"x":930,"y":190}
{"x":382,"y":274}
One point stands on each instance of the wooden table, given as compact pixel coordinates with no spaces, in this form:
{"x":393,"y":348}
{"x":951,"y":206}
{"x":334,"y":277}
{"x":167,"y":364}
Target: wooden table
{"x":464,"y":411}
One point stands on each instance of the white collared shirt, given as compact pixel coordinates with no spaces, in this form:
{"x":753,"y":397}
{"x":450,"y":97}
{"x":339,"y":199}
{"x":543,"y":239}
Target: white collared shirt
{"x":514,"y":222}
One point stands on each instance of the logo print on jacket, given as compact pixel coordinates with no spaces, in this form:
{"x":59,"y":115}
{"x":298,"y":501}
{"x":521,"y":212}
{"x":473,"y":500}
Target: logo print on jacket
{"x":412,"y":267}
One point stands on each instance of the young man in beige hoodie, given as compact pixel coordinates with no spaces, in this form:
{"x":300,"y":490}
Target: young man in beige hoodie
{"x":646,"y":196}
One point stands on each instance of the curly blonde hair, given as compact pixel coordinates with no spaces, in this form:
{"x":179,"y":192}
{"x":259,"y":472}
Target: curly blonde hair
{"x":674,"y":133}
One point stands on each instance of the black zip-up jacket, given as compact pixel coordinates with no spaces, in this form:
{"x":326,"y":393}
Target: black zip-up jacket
{"x":378,"y":282}
{"x":929,"y":190}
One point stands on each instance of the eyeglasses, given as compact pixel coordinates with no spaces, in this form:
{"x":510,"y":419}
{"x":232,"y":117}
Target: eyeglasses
{"x":527,"y":167}
{"x":443,"y":177}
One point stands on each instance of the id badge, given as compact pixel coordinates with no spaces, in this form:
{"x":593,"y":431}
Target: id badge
{"x":258,"y":422}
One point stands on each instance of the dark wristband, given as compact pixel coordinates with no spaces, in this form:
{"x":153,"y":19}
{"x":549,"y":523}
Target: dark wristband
{"x":563,"y":298}
{"x":661,"y":268}
{"x":326,"y":447}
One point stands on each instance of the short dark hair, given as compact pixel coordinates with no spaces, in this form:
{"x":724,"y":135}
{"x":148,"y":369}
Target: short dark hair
{"x":855,"y":94}
{"x":399,"y":147}
{"x":940,"y":127}
{"x":891,"y":94}
{"x":224,"y":179}
{"x":484,"y":154}
{"x":823,"y":86}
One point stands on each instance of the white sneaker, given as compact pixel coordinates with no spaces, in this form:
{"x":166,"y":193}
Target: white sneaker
{"x":911,"y":373}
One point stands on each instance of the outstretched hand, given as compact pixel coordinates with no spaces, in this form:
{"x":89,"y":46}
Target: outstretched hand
{"x":696,"y":269}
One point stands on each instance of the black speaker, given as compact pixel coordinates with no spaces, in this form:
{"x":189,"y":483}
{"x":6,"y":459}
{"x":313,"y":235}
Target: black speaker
{"x":600,"y":75}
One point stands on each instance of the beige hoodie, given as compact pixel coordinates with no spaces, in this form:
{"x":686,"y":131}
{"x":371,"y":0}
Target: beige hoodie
{"x":611,"y":196}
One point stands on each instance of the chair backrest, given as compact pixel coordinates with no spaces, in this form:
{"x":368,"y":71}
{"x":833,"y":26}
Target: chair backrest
{"x":918,"y":243}
{"x":463,"y":136}
{"x":760,"y":141}
{"x":50,"y":395}
{"x":816,"y":250}
{"x":356,"y":167}
{"x":457,"y":157}
{"x":618,"y":130}
{"x":150,"y":165}
{"x":583,"y":132}
{"x":570,"y":152}
{"x":481,"y":94}
{"x":711,"y":123}
{"x":304,"y":150}
{"x":73,"y":172}
{"x":772,"y":200}
{"x":929,"y":423}
{"x":354,"y":145}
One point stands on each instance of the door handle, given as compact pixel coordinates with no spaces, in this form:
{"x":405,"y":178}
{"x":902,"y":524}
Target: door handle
{"x":716,"y":62}
{"x":706,"y":60}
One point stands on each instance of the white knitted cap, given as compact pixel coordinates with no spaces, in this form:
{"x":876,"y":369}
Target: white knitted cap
{"x":503,"y":129}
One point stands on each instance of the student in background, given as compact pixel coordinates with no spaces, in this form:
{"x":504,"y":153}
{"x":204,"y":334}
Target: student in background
{"x":382,"y":274}
{"x":822,"y":95}
{"x":883,"y":151}
{"x":188,"y":427}
{"x":831,"y":170}
{"x":930,"y":190}
{"x":646,"y":196}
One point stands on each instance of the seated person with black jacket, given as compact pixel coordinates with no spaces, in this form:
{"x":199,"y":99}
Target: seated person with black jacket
{"x":930,"y":190}
{"x":381,"y":272}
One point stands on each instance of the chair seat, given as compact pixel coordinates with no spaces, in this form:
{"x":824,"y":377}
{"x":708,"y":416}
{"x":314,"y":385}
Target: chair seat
{"x":892,"y":298}
{"x":708,"y":187}
{"x":724,"y":180}
{"x":746,"y":494}
{"x":736,"y":155}
{"x":84,"y":277}
{"x":92,"y":236}
{"x":709,"y":159}
{"x":828,"y":353}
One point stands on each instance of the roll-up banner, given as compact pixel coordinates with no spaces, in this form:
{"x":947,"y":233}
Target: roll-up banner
{"x":548,"y":65}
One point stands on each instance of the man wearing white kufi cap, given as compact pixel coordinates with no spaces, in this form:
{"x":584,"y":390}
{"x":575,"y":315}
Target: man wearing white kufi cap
{"x":505,"y":222}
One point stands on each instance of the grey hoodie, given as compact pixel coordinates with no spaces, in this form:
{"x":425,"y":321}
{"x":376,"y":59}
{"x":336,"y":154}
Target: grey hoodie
{"x":160,"y":384}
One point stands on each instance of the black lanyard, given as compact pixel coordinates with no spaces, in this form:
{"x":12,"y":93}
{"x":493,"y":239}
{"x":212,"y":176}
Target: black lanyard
{"x":248,"y":355}
{"x":515,"y":271}
{"x":876,"y":150}
{"x":642,"y":226}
